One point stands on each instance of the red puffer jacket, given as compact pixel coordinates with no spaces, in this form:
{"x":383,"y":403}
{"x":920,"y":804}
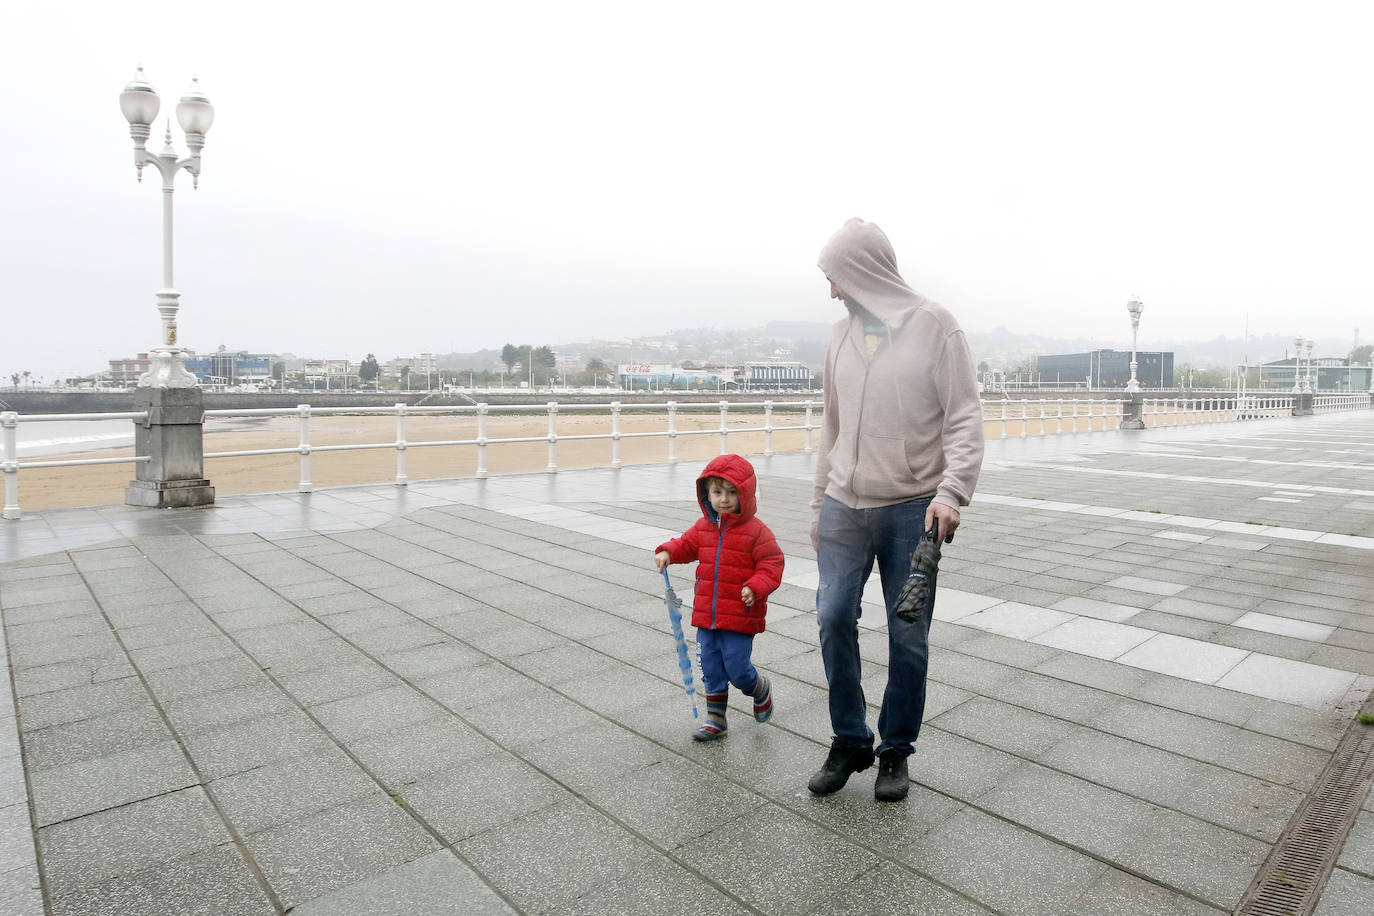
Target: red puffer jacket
{"x":732,"y":551}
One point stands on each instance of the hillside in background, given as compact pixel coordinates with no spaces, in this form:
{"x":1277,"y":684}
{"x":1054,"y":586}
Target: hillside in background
{"x":805,"y":342}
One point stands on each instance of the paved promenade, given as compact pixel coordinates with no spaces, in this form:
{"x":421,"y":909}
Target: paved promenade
{"x":462,"y":697}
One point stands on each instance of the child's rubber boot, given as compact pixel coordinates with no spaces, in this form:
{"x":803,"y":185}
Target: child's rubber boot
{"x":714,"y":726}
{"x":763,"y":700}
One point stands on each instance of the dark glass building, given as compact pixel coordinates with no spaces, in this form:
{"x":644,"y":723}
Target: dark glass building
{"x":1106,"y":369}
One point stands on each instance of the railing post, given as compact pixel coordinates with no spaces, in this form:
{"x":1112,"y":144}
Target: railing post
{"x":724,"y":430}
{"x":672,"y":432}
{"x":1025,"y":418}
{"x":767,"y":429}
{"x":553,"y":438}
{"x":615,"y":435}
{"x":808,"y":448}
{"x":481,"y":440}
{"x":305,"y":486}
{"x":9,"y":421}
{"x":1004,"y":418}
{"x":401,"y":445}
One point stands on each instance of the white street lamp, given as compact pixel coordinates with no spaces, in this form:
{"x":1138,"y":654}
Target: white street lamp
{"x":195,"y":114}
{"x":1311,"y":381}
{"x":1297,"y":363}
{"x":1135,"y":307}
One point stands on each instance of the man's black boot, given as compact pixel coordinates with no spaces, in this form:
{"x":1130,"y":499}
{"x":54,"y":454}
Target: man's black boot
{"x":892,"y":782}
{"x":840,"y":763}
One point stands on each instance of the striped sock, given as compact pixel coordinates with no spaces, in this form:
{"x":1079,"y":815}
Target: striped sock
{"x":763,"y":699}
{"x":715,"y":717}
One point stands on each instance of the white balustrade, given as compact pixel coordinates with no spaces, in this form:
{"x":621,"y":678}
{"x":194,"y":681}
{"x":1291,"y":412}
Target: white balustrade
{"x":1159,"y":411}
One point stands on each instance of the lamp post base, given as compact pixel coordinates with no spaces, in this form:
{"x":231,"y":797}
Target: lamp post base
{"x":171,"y":476}
{"x":169,"y":494}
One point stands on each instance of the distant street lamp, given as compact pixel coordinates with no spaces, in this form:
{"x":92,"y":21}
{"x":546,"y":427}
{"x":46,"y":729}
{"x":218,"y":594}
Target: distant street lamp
{"x":195,"y":114}
{"x":1297,"y":363}
{"x":1311,"y":381}
{"x":1135,"y":307}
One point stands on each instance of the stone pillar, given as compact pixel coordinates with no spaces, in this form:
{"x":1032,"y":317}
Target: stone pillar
{"x":172,"y":477}
{"x":1302,"y":404}
{"x":1132,"y":412}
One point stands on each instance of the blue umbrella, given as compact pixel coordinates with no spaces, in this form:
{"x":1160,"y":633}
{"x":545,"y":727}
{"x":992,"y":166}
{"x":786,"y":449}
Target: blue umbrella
{"x":684,"y":663}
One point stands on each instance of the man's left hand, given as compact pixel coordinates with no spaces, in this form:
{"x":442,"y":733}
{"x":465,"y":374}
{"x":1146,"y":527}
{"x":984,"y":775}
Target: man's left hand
{"x":948,"y":518}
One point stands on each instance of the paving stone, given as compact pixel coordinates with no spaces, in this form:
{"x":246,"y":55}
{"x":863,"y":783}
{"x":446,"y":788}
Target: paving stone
{"x":216,"y":881}
{"x":675,"y":892}
{"x":128,"y":839}
{"x":74,"y":789}
{"x":1018,"y":731}
{"x":481,"y":794}
{"x":1358,"y":852}
{"x":72,"y":704}
{"x":432,"y":885}
{"x":1004,"y":866}
{"x":308,"y":857}
{"x":215,"y":710}
{"x":204,"y":677}
{"x":1119,"y":894}
{"x":527,"y":719}
{"x":1346,"y":894}
{"x":793,"y":862}
{"x":1097,"y":820}
{"x":408,"y":754}
{"x":288,"y":789}
{"x":956,"y":766}
{"x":73,"y":742}
{"x":375,"y":713}
{"x":466,"y":688}
{"x":1205,"y":861}
{"x":254,"y":742}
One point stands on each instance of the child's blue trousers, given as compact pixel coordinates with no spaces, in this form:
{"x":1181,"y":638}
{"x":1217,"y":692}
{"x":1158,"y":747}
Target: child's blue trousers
{"x":725,"y":660}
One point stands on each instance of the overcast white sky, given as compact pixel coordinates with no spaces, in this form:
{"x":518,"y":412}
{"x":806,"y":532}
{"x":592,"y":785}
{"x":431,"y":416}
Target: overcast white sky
{"x":406,"y":177}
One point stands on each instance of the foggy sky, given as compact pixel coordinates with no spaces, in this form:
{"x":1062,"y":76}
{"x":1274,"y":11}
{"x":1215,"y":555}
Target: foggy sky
{"x":397,"y":179}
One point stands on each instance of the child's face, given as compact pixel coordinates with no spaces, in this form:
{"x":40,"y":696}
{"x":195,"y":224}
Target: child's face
{"x":724,"y":497}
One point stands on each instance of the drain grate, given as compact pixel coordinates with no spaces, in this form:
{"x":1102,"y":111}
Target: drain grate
{"x":1296,"y":872}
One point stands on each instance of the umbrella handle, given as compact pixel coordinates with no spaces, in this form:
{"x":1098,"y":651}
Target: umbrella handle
{"x":666,"y":581}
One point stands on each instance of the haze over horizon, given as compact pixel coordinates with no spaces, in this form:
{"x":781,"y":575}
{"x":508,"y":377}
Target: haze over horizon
{"x":449,"y":180}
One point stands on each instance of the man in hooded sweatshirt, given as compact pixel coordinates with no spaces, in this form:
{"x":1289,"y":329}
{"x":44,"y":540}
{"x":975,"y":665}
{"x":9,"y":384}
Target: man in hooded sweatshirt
{"x":901,"y":447}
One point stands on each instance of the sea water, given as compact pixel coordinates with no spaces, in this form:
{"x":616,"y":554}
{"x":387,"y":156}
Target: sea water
{"x":39,"y":439}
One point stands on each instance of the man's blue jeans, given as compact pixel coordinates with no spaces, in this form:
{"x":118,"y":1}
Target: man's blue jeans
{"x":850,"y":541}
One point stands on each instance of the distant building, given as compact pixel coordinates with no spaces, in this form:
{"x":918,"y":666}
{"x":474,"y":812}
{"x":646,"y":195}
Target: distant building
{"x":422,"y":365}
{"x":226,"y":368}
{"x":126,"y":371}
{"x":1106,"y":369}
{"x":762,"y":375}
{"x":1330,"y":373}
{"x":776,"y":375}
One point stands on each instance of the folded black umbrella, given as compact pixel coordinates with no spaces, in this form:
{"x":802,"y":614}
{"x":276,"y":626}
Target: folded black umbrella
{"x":917,"y":596}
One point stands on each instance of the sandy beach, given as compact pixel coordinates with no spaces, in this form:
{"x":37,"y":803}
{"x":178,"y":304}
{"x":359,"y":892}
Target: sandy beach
{"x":643,"y":442}
{"x":64,"y":487}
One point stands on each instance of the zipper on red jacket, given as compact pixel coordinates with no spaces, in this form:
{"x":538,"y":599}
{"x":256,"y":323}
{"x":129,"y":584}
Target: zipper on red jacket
{"x":715,"y":578}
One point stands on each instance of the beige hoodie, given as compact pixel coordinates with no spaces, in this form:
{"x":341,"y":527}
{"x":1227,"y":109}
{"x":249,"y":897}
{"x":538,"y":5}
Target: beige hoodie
{"x":905,"y":422}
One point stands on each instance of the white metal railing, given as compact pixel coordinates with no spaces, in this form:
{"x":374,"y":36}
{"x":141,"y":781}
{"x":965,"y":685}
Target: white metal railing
{"x":553,"y":408}
{"x":9,"y":448}
{"x":1021,"y":418}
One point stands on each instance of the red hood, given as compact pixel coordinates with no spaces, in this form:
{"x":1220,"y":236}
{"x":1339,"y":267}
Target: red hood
{"x":740,"y":474}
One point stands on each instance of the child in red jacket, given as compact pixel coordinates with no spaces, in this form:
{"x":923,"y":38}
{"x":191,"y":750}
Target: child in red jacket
{"x":739,"y":564}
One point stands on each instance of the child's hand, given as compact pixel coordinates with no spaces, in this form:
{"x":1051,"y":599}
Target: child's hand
{"x":661,"y":560}
{"x":747,"y":594}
